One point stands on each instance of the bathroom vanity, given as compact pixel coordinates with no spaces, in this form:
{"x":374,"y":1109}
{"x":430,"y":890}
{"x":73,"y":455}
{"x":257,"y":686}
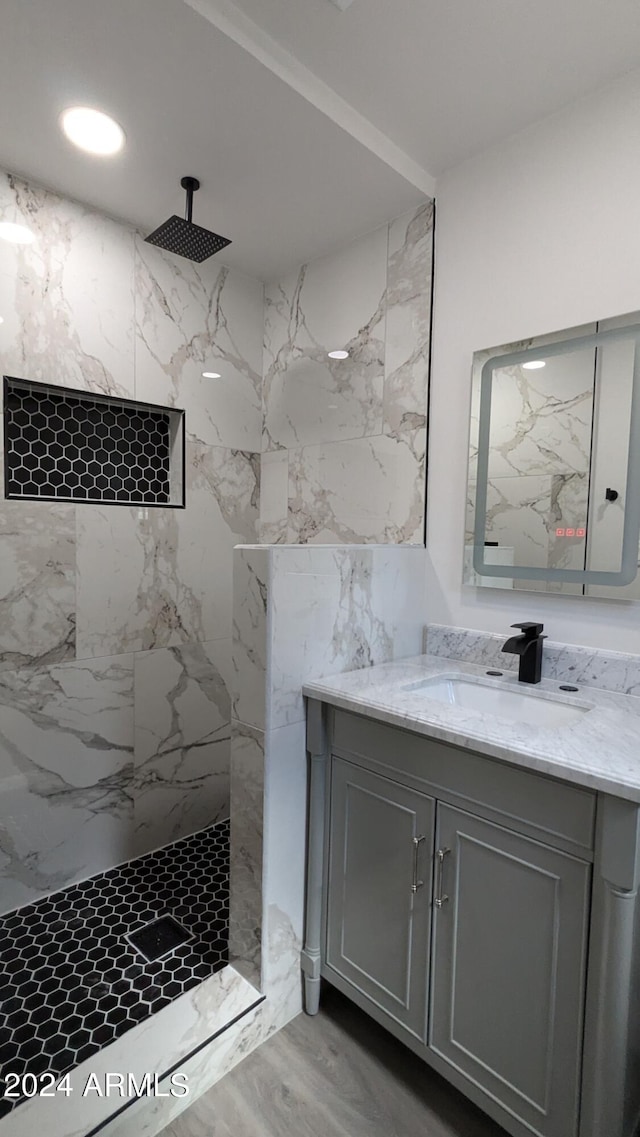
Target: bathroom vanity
{"x":473,"y":866}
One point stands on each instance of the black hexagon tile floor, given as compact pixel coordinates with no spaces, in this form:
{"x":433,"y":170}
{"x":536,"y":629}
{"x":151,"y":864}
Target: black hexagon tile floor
{"x":75,"y":967}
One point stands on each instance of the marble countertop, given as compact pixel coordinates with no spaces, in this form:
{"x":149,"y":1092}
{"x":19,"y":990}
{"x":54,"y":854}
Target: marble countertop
{"x":600,"y":749}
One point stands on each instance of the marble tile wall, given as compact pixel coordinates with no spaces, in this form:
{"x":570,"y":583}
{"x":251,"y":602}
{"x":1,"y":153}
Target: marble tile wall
{"x":148,"y":591}
{"x":115,"y":622}
{"x":344,"y":441}
{"x":299,"y":613}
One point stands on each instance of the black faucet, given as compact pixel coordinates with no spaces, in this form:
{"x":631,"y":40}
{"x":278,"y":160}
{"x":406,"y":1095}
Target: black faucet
{"x":529,"y":647}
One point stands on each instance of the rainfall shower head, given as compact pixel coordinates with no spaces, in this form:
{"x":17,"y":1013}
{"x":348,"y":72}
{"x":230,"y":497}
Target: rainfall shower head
{"x":180,"y":235}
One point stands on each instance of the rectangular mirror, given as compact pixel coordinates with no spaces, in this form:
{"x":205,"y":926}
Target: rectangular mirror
{"x":554,"y":463}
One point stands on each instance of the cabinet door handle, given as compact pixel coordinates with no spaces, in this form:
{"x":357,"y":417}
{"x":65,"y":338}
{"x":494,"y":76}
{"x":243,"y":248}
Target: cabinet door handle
{"x":416,"y":883}
{"x":439,"y":899}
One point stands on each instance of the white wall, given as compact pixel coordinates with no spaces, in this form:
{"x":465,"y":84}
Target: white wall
{"x":538,"y":234}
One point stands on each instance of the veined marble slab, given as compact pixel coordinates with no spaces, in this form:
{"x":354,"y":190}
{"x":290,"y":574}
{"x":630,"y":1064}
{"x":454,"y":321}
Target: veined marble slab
{"x":344,"y":440}
{"x":150,"y":578}
{"x":599,"y":750}
{"x":334,"y":302}
{"x":251,"y":647}
{"x":247,"y":829}
{"x":361,"y":490}
{"x":182,"y":741}
{"x":37,"y":583}
{"x":566,"y":663}
{"x":66,"y":299}
{"x":339,"y":608}
{"x":194,"y":318}
{"x":66,"y":749}
{"x":408,"y":330}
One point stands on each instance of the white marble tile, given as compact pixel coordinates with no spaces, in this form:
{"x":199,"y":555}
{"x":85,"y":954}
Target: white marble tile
{"x":37,"y":583}
{"x":408,"y":333}
{"x":334,"y":609}
{"x":247,"y":805}
{"x":230,"y":481}
{"x":251,"y":568}
{"x":285,"y":812}
{"x":66,"y":299}
{"x":66,"y":744}
{"x":192,"y":318}
{"x":337,"y":301}
{"x":484,"y":649}
{"x":182,"y":741}
{"x":368,"y":489}
{"x":274,"y":497}
{"x":162,"y":577}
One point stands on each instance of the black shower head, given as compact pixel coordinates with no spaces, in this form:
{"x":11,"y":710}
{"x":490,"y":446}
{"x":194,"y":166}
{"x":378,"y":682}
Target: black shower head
{"x":180,"y":235}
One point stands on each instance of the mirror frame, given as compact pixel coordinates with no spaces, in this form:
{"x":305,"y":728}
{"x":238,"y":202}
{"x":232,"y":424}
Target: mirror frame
{"x":631,"y":532}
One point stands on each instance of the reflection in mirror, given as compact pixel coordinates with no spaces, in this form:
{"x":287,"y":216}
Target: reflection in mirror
{"x":552,"y":420}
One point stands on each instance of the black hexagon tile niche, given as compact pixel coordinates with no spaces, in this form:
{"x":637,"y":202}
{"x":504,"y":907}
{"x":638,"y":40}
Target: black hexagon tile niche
{"x":72,"y":979}
{"x":74,"y":446}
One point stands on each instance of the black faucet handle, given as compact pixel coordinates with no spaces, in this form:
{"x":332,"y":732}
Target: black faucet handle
{"x":531,"y":630}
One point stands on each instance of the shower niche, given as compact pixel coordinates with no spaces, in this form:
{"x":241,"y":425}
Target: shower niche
{"x":68,"y":445}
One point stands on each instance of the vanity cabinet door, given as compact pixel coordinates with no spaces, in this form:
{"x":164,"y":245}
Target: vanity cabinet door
{"x":380,"y":861}
{"x":508,"y":968}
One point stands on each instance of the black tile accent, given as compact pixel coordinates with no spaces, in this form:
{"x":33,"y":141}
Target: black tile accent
{"x":70,"y":979}
{"x":77,"y":446}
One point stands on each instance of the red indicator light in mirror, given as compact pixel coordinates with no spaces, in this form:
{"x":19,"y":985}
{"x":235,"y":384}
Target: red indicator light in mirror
{"x":581,"y":533}
{"x":560,"y":532}
{"x":571,"y":532}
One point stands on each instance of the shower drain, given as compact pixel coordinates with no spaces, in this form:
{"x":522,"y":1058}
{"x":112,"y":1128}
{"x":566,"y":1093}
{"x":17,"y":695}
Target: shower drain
{"x":158,"y":938}
{"x":81,"y":967}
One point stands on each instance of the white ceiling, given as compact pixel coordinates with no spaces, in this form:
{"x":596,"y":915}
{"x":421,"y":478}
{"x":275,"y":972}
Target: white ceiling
{"x":307,"y":125}
{"x":447,"y":78}
{"x":278,"y":176}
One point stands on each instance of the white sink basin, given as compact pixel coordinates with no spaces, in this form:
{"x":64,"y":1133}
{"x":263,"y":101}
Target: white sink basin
{"x":506,"y":702}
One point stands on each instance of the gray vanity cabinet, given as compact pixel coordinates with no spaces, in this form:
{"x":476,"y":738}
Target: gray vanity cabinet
{"x":378,"y":918}
{"x":508,"y":968}
{"x":486,"y":915}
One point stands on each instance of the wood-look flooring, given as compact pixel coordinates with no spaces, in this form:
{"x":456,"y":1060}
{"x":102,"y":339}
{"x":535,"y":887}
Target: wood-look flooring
{"x":337,"y":1074}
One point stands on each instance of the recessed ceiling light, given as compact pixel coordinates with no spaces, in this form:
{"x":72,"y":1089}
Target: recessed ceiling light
{"x":338,"y":354}
{"x":534,"y":365}
{"x":210,"y":375}
{"x":1,"y":319}
{"x":92,"y":130}
{"x":17,"y":234}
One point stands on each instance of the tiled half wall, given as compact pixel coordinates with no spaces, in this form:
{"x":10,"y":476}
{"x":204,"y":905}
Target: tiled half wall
{"x":299,"y":613}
